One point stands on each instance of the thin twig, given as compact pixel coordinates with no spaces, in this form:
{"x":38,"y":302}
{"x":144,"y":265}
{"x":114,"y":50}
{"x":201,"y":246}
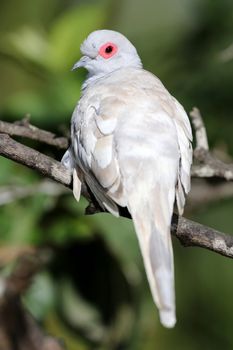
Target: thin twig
{"x":200,"y":130}
{"x":27,"y":130}
{"x":213,"y":168}
{"x":209,"y":166}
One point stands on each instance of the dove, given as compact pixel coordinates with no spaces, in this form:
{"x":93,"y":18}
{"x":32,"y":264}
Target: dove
{"x":131,"y":145}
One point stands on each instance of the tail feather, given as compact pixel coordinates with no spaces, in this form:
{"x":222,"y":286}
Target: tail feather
{"x":152,"y":225}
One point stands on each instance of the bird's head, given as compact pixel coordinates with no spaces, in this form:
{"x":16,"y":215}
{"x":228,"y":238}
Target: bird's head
{"x":105,"y":51}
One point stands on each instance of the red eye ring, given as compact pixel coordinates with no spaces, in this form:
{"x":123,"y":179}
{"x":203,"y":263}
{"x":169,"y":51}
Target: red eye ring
{"x":108,"y":50}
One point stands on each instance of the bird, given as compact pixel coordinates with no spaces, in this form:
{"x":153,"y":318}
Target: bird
{"x":131,"y":145}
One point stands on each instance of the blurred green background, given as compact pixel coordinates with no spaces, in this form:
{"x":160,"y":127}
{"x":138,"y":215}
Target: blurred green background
{"x":94,"y":293}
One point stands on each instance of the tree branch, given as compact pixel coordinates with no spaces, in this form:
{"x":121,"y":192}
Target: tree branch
{"x":200,"y":130}
{"x":188,"y":232}
{"x":193,"y":234}
{"x":24,"y":129}
{"x":209,"y":166}
{"x":45,"y":165}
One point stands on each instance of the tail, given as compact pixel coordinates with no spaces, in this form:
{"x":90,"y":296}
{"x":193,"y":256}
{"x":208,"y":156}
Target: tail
{"x":152,"y":221}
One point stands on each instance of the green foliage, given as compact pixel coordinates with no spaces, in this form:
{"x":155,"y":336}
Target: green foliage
{"x":46,"y":59}
{"x":68,"y":32}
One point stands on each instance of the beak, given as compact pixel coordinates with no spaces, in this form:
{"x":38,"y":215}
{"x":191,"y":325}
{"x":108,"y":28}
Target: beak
{"x":81,"y":63}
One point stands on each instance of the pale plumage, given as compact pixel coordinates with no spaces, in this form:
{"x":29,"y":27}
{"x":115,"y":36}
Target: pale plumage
{"x":131,"y":144}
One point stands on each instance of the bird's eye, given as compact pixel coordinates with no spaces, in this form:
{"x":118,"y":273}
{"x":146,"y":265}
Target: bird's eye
{"x":108,"y":50}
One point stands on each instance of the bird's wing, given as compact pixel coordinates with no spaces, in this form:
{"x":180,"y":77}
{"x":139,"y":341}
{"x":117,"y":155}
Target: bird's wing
{"x":184,"y":134}
{"x":93,"y":127}
{"x":176,"y":111}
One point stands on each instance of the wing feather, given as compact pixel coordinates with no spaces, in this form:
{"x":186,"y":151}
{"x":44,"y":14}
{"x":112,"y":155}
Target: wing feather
{"x":94,"y":150}
{"x":184,"y":134}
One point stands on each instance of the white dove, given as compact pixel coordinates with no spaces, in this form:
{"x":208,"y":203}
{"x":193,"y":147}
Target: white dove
{"x":131,"y":145}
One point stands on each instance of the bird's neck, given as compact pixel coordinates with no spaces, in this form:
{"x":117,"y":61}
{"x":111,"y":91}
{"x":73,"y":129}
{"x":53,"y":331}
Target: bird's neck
{"x":91,"y":79}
